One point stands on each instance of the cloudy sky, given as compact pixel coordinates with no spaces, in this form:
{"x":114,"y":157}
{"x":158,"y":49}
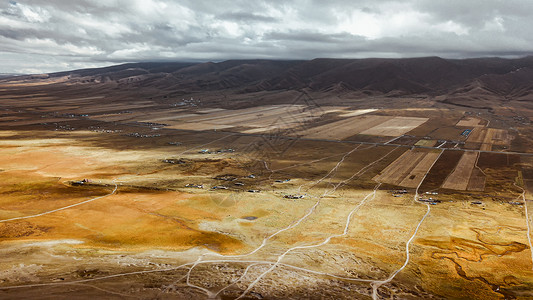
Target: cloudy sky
{"x":49,"y":35}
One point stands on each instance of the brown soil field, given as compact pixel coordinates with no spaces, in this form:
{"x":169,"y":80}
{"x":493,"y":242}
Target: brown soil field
{"x":261,"y":120}
{"x":441,"y":170}
{"x":12,"y":118}
{"x":246,"y":113}
{"x":165,"y":119}
{"x":199,"y":126}
{"x":409,"y":169}
{"x":117,"y":117}
{"x":416,"y":175}
{"x":477,"y":135}
{"x":344,"y":128}
{"x":501,"y":137}
{"x":209,"y":110}
{"x":477,"y":181}
{"x":486,"y":144}
{"x":459,"y":178}
{"x":35,"y":121}
{"x":396,"y":126}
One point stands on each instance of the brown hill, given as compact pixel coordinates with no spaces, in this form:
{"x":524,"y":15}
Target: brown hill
{"x":482,"y":77}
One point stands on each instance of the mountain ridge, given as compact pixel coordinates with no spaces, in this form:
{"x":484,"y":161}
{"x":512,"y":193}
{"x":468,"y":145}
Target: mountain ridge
{"x":386,"y":76}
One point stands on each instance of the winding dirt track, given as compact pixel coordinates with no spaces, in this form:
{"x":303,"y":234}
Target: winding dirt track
{"x":62,"y":208}
{"x":376,"y":284}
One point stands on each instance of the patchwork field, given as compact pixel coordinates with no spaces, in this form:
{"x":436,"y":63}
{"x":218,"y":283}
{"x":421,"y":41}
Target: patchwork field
{"x":409,"y":169}
{"x":256,"y":120}
{"x":360,"y":123}
{"x":459,"y":178}
{"x":484,"y":139}
{"x":395,"y":126}
{"x":344,"y":128}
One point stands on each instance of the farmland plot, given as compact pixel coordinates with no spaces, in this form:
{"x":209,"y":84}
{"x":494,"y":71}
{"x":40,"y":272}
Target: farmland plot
{"x":408,"y":169}
{"x":470,"y":122}
{"x":460,"y":177}
{"x":344,"y":128}
{"x":396,"y":126}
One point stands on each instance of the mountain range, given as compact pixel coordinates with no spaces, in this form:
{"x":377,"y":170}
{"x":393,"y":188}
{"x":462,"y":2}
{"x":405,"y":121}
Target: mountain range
{"x":457,"y":78}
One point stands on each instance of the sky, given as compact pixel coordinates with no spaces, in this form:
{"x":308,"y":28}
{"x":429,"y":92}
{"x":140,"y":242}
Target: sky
{"x":41,"y":36}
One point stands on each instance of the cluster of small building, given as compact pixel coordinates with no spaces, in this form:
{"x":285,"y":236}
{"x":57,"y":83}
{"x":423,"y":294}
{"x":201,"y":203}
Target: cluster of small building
{"x":293,"y":196}
{"x":103,"y":130}
{"x":64,"y":127}
{"x":430,"y":200}
{"x":186,"y":102}
{"x":282,"y":181}
{"x":226,"y":177}
{"x":179,"y":161}
{"x":151,"y":124}
{"x":196,"y":186}
{"x":80,"y":182}
{"x":398,"y":193}
{"x":139,"y":135}
{"x":466,"y":132}
{"x":207,"y":151}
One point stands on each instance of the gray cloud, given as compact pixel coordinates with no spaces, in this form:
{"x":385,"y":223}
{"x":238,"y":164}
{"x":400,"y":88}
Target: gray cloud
{"x":242,"y":16}
{"x":52,"y":35}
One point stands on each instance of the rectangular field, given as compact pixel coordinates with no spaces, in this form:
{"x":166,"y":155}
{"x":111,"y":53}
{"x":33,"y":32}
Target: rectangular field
{"x":408,"y":169}
{"x":501,"y":137}
{"x":396,"y":126}
{"x":485,"y":138}
{"x":470,"y":122}
{"x":344,"y":128}
{"x":426,"y":143}
{"x":477,"y":181}
{"x":486,"y":145}
{"x":459,"y":178}
{"x":415,"y":176}
{"x":477,"y":135}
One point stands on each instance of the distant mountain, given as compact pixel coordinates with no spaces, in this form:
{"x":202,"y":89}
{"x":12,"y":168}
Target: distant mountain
{"x":7,"y":75}
{"x":480,"y":77}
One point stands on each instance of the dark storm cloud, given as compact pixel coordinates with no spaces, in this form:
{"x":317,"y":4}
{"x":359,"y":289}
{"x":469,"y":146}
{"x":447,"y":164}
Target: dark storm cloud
{"x":246,"y":17}
{"x":48,"y":35}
